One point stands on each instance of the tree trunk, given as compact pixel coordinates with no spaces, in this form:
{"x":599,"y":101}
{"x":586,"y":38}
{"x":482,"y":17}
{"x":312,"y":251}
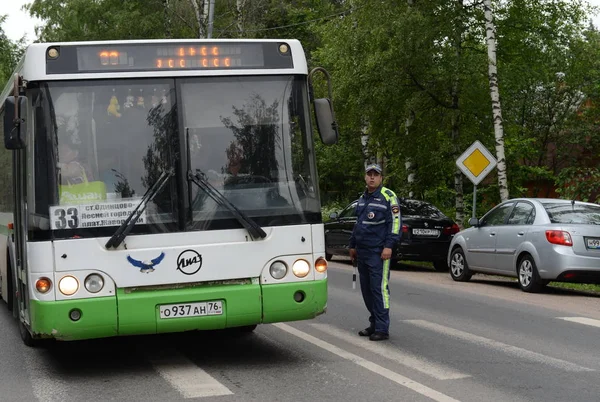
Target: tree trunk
{"x":239,"y":7}
{"x":490,"y":29}
{"x":459,"y":203}
{"x":408,"y":161}
{"x":200,"y":16}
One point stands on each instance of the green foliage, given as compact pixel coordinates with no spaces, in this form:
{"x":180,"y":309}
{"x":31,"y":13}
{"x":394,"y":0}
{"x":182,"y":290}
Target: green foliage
{"x":413,"y":76}
{"x":581,"y":184}
{"x":10,"y":52}
{"x":335,"y":206}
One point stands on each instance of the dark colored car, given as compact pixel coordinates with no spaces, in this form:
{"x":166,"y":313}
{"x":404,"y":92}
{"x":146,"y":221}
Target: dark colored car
{"x":426,"y":233}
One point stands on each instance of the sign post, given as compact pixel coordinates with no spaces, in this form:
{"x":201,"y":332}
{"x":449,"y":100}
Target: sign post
{"x":476,"y":162}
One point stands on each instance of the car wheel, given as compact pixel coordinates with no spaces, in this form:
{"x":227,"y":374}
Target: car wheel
{"x":440,"y":266}
{"x":328,"y":256}
{"x":529,"y":278}
{"x":459,"y":269}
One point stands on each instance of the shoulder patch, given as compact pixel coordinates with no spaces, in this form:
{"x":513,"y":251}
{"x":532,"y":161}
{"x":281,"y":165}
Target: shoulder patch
{"x":395,"y":209}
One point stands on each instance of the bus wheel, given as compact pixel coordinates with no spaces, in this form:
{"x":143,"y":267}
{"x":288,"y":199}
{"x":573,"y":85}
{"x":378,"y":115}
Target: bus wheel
{"x":10,"y":296}
{"x":27,"y":338}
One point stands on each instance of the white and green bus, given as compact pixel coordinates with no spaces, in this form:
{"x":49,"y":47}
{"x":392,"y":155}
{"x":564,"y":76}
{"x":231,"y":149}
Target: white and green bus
{"x":161,"y":186}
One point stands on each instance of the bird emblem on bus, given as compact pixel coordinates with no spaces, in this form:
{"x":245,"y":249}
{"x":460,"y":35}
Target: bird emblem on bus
{"x":146,"y":266}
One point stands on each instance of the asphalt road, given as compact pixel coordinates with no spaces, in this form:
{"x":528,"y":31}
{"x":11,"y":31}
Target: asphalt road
{"x":484,"y":340}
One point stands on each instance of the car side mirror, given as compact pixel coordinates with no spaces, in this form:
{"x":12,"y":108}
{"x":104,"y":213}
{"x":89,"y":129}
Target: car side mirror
{"x":15,"y":122}
{"x":474,"y":222}
{"x":333,"y":215}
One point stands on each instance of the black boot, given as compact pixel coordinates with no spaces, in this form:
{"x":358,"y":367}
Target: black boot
{"x":379,"y":336}
{"x":367,"y":332}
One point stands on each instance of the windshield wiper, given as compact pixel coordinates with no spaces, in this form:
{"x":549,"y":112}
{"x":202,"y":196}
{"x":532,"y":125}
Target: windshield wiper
{"x":122,"y":231}
{"x":199,"y":179}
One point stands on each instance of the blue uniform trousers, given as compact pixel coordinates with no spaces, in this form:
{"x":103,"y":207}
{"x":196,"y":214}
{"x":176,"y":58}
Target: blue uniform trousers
{"x":374,"y":276}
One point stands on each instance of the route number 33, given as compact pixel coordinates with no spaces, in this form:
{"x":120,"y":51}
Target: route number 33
{"x":66,"y":218}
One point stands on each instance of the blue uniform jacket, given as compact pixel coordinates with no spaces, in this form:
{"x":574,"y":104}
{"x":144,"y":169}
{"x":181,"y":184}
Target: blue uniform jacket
{"x":378,"y":220}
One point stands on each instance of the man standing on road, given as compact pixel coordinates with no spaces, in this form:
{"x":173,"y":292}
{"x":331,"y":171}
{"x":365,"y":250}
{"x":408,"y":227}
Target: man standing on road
{"x":376,"y":232}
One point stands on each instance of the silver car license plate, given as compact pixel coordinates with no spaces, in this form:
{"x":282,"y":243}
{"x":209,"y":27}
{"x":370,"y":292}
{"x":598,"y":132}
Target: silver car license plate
{"x":191,"y":309}
{"x":593,"y":243}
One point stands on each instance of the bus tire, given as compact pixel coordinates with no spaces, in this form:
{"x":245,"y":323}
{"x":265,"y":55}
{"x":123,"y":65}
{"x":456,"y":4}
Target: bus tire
{"x":10,"y":296}
{"x":26,"y":336}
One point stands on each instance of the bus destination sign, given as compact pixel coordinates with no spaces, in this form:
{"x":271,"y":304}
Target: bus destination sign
{"x":160,"y":56}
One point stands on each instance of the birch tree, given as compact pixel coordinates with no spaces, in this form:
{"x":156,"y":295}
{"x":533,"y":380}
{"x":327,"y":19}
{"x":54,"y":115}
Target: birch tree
{"x":200,"y":12}
{"x":490,"y":30}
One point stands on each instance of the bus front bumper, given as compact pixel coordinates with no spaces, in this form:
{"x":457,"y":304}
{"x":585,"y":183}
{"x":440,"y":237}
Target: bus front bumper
{"x":137,"y":312}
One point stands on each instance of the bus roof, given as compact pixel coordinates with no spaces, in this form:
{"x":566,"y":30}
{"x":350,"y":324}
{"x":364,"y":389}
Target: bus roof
{"x":160,"y":58}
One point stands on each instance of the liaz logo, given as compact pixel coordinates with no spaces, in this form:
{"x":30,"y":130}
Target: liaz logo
{"x":189,"y":262}
{"x":146,"y":266}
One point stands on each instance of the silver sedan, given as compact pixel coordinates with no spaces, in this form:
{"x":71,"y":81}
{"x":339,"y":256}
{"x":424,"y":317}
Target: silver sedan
{"x":537,"y":240}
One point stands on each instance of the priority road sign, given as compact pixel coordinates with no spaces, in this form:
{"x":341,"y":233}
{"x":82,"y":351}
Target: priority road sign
{"x":476,"y":162}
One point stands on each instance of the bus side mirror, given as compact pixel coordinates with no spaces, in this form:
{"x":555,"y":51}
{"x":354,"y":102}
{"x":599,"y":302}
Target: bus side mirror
{"x":326,"y":124}
{"x":15,"y":122}
{"x":324,"y":115}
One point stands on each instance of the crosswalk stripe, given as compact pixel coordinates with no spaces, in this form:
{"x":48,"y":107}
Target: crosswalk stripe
{"x":369,"y":365}
{"x":185,"y":376}
{"x":582,"y":320}
{"x":499,"y":346}
{"x":418,"y":363}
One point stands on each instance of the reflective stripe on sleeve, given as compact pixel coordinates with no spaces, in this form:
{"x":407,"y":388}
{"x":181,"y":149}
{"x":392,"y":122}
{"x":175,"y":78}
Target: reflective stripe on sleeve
{"x":393,"y":200}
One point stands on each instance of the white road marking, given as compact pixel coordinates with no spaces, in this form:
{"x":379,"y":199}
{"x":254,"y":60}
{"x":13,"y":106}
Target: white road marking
{"x":499,"y":346}
{"x":46,"y":384}
{"x":382,"y":371}
{"x":415,"y":362}
{"x":186,"y":377}
{"x":582,"y":320}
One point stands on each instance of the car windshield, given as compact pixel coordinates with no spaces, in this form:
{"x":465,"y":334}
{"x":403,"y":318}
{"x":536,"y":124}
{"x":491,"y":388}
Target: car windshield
{"x":573,"y":213}
{"x":419,"y":208}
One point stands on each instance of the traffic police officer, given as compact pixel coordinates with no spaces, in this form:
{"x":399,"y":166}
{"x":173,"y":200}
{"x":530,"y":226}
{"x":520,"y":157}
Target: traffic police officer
{"x":375,"y":233}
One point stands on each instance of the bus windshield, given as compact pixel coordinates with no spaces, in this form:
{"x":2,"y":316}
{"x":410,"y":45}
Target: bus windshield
{"x":100,"y":144}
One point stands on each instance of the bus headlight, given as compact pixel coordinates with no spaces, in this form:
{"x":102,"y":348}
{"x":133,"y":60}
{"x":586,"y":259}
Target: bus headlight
{"x":68,"y":285}
{"x":301,"y":268}
{"x":94,"y":283}
{"x":278,"y":270}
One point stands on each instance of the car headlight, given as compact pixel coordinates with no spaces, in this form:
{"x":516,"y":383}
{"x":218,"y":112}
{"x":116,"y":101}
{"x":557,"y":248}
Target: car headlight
{"x":68,"y":285}
{"x":301,"y":268}
{"x":94,"y":283}
{"x":278,"y":270}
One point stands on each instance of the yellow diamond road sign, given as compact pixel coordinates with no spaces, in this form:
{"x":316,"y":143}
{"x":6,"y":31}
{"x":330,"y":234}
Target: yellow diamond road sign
{"x":476,"y":162}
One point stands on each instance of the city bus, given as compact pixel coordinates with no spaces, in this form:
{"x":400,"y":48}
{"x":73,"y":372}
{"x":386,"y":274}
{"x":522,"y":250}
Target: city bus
{"x":157,"y":186}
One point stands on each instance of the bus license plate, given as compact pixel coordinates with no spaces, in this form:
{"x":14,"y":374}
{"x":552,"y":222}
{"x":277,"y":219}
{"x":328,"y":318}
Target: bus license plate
{"x":191,"y":309}
{"x":593,"y":243}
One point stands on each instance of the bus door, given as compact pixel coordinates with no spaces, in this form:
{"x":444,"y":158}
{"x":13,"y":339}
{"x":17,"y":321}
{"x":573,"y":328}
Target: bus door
{"x":16,"y":132}
{"x":20,"y":233}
